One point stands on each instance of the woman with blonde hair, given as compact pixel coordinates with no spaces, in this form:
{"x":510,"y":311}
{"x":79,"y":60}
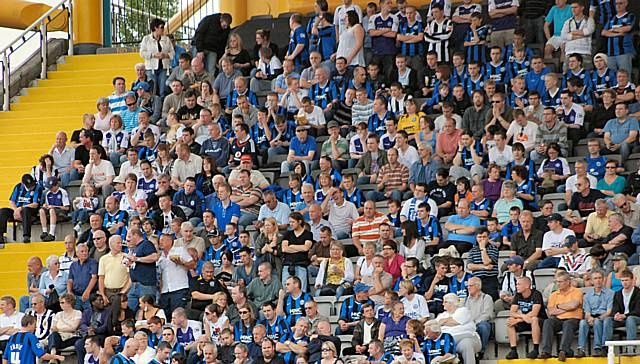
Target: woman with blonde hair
{"x":268,"y":244}
{"x":103,"y":116}
{"x":65,"y":324}
{"x":329,"y":354}
{"x":239,"y":56}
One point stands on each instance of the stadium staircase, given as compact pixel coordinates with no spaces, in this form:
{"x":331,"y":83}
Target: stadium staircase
{"x":28,"y":131}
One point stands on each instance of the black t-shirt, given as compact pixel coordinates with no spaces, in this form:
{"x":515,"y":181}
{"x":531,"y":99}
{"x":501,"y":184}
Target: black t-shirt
{"x":204,"y":287}
{"x":184,"y":113}
{"x":585,"y":205}
{"x":301,"y":258}
{"x":441,"y":288}
{"x":627,"y":247}
{"x":442,"y":194}
{"x":526,"y":304}
{"x":82,"y":154}
{"x":96,"y":136}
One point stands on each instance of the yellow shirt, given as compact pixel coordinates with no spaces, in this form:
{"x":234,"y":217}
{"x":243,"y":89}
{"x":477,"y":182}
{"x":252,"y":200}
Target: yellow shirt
{"x":558,"y":298}
{"x":117,"y":275}
{"x":410,"y":124}
{"x":597,"y":225}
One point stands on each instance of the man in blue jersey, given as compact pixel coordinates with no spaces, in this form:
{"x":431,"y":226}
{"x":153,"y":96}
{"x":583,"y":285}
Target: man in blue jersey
{"x":141,"y":261}
{"x":295,"y":343}
{"x":438,"y":346}
{"x":351,"y":309}
{"x":23,"y":347}
{"x":163,"y":353}
{"x":383,"y":28}
{"x":291,"y":305}
{"x":618,"y":33}
{"x":475,"y":41}
{"x":410,"y":35}
{"x":126,"y":355}
{"x":24,"y":202}
{"x":504,"y":18}
{"x":298,"y":50}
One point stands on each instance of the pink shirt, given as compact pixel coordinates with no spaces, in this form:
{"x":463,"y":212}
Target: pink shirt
{"x":448,"y":143}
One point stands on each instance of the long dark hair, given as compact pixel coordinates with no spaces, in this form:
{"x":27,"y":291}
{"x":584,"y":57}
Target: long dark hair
{"x":410,"y":232}
{"x":116,"y":310}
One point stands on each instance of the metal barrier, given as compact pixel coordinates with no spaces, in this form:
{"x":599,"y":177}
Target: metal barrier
{"x":39,"y":27}
{"x":611,"y":355}
{"x":130,"y":18}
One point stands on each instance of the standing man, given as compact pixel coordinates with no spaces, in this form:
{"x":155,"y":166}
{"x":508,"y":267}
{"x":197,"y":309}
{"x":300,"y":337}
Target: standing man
{"x":210,"y":39}
{"x":113,"y":276}
{"x":383,"y":28}
{"x":597,"y":306}
{"x":619,"y":36}
{"x":438,"y":32}
{"x":141,"y":262}
{"x":503,"y":14}
{"x":83,"y":277}
{"x":174,"y":264}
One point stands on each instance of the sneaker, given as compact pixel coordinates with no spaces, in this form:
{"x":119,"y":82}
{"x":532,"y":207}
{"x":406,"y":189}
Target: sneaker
{"x":580,"y":353}
{"x":513,"y":354}
{"x":533,"y":354}
{"x":49,"y":237}
{"x":544,"y":355}
{"x":597,"y":352}
{"x":562,"y":356}
{"x":43,"y":236}
{"x":26,"y":239}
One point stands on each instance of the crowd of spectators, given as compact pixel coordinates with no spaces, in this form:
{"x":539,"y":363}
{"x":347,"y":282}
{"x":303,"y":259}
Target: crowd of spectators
{"x":385,"y":157}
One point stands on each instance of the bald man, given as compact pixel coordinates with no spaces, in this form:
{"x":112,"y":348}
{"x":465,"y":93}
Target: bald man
{"x":63,"y":157}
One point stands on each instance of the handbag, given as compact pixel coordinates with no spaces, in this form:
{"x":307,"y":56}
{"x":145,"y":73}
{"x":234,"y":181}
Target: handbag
{"x":53,"y":301}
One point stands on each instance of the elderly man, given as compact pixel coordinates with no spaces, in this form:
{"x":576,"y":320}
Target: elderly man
{"x":317,"y":223}
{"x":462,"y":228}
{"x":83,"y":277}
{"x":194,"y":77}
{"x":619,"y":240}
{"x":273,"y":208}
{"x":216,"y":146}
{"x":480,"y":305}
{"x":457,"y":321}
{"x":186,"y":165}
{"x":527,"y":243}
{"x":371,"y":161}
{"x":366,"y":228}
{"x":598,"y":302}
{"x":99,"y":173}
{"x":423,"y":170}
{"x":438,"y":346}
{"x":113,"y":276}
{"x":526,"y":314}
{"x":379,"y":280}
{"x":35,"y":268}
{"x":630,"y":211}
{"x":565,"y":313}
{"x":598,"y":224}
{"x":141,"y":261}
{"x":342,"y":213}
{"x":44,"y":316}
{"x":62,"y":158}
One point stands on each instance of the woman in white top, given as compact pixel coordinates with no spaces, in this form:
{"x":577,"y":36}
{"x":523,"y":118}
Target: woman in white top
{"x":103,"y":116}
{"x":131,"y":194}
{"x":415,"y":305}
{"x":214,"y":321}
{"x":411,"y":246}
{"x":147,"y":309}
{"x":157,"y":50}
{"x":65,"y":324}
{"x":456,"y":320}
{"x":364,"y":265}
{"x":351,"y":42}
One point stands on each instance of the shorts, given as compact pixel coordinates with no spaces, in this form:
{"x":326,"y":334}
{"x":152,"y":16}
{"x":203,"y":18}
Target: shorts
{"x":556,"y":42}
{"x":523,"y":326}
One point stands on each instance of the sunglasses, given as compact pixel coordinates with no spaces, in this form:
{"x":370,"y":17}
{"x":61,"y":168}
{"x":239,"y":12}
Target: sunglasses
{"x":243,"y":312}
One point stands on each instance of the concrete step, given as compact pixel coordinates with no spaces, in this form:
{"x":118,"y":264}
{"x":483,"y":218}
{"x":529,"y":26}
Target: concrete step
{"x":56,"y":75}
{"x":98,"y":79}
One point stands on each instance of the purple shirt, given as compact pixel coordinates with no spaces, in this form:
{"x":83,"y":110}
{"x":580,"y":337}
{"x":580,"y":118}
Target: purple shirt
{"x":492,"y":189}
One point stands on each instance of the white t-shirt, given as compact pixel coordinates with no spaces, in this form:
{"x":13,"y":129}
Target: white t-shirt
{"x":100,"y":172}
{"x":439,"y":122}
{"x":524,"y":135}
{"x":315,"y":118}
{"x":14,"y":321}
{"x":417,"y":308}
{"x":174,"y":276}
{"x":339,"y":216}
{"x":137,"y":196}
{"x":501,"y":158}
{"x":553,"y":240}
{"x":409,"y":157}
{"x":463,"y":316}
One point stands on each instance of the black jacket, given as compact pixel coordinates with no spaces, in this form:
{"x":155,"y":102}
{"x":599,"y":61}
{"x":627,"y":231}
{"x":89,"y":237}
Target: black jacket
{"x":210,"y":36}
{"x":358,"y":332}
{"x":634,"y":303}
{"x":158,"y":219}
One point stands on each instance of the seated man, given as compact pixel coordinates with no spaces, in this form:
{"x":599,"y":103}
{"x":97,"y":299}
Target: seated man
{"x":565,"y":313}
{"x":462,"y":228}
{"x":302,"y":148}
{"x":190,"y":201}
{"x":342,"y":213}
{"x":9,"y":320}
{"x":437,"y":346}
{"x":99,"y":173}
{"x":24,"y":203}
{"x":597,"y":307}
{"x":553,"y":242}
{"x":56,"y":204}
{"x":351,"y":309}
{"x":527,"y":312}
{"x":625,"y":310}
{"x":249,"y":197}
{"x":371,"y":161}
{"x":483,"y":262}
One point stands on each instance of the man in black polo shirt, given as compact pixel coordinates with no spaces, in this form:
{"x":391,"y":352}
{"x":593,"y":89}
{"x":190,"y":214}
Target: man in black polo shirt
{"x":141,"y":261}
{"x":582,"y":201}
{"x":527,"y":314}
{"x":619,"y":240}
{"x":202,"y":291}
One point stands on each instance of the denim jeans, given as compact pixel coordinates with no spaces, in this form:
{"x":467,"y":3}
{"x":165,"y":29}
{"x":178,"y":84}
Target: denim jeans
{"x":82,"y":305}
{"x":138,"y":290}
{"x":160,"y":78}
{"x":484,"y":330}
{"x":621,"y":62}
{"x":171,"y":300}
{"x":630,"y":323}
{"x":549,"y":262}
{"x":24,"y":303}
{"x":583,"y":334}
{"x":246,"y":219}
{"x":379,"y":196}
{"x":301,"y":272}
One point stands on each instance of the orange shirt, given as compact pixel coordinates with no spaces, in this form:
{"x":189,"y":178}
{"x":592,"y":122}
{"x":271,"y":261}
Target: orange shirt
{"x":558,"y":298}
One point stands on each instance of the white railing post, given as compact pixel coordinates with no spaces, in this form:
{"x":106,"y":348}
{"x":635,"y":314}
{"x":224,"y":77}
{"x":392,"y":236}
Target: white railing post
{"x":6,"y":81}
{"x":611,"y":354}
{"x":43,"y":48}
{"x":70,"y":11}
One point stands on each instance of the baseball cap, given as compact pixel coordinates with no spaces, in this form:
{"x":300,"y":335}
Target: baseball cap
{"x":213,"y":233}
{"x":142,"y":85}
{"x":554,"y":217}
{"x":516,"y":259}
{"x":361,"y":287}
{"x":332,"y":124}
{"x":569,"y":241}
{"x":245,"y":158}
{"x":118,"y":179}
{"x":28,"y":181}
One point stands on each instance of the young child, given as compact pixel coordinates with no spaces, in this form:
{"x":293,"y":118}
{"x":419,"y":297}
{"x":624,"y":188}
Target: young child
{"x":510,"y":228}
{"x":128,"y":330}
{"x":520,"y":66}
{"x":175,"y":227}
{"x":463,"y":188}
{"x":231,"y":237}
{"x":118,"y":185}
{"x":353,"y":193}
{"x":83,"y":206}
{"x":434,"y":104}
{"x":394,"y":214}
{"x":494,"y":232}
